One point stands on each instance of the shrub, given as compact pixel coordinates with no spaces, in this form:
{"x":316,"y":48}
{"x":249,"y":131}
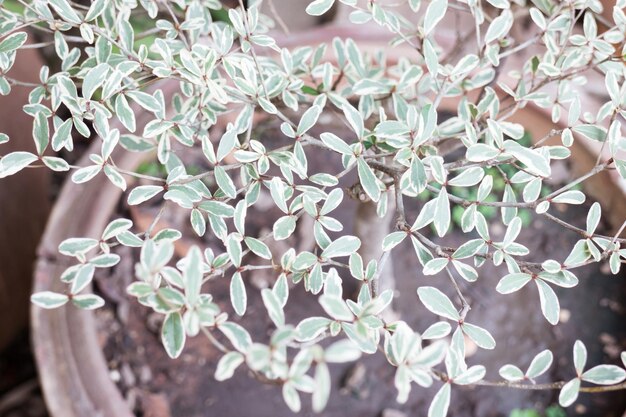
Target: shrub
{"x":232,"y":68}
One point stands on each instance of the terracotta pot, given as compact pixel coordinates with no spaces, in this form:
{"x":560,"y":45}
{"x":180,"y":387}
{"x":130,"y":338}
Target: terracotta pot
{"x":73,"y":370}
{"x":24,"y":203}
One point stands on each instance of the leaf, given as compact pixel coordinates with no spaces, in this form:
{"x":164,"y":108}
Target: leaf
{"x":238,"y":295}
{"x":354,"y":119}
{"x":94,"y":79}
{"x":308,"y":329}
{"x":570,"y":197}
{"x":227,"y":144}
{"x":88,"y":301}
{"x":49,"y":299}
{"x":227,"y":365}
{"x":438,"y":303}
{"x":237,"y":335}
{"x":435,"y":266}
{"x":500,"y":26}
{"x":173,"y":334}
{"x":322,"y":387}
{"x":569,"y":393}
{"x":513,"y":282}
{"x":442,"y":213}
{"x":604,"y":375}
{"x":258,"y":248}
{"x":592,"y":132}
{"x":539,"y":364}
{"x":479,"y":335}
{"x":291,"y":397}
{"x":441,"y":402}
{"x":593,"y":218}
{"x":143,"y":193}
{"x":344,"y":246}
{"x":41,"y":132}
{"x":225,"y":182}
{"x":336,"y":307}
{"x":369,"y":182}
{"x":55,"y":164}
{"x":13,"y":41}
{"x":308,"y":120}
{"x":437,"y":330}
{"x":284,"y":227}
{"x":85,"y":174}
{"x":549,"y":302}
{"x":15,"y":162}
{"x":511,"y":373}
{"x":63,"y":8}
{"x":434,"y":13}
{"x":392,"y":240}
{"x":319,"y":7}
{"x":342,"y":351}
{"x":274,"y":307}
{"x":335,"y":143}
{"x":580,"y":356}
{"x":77,"y":246}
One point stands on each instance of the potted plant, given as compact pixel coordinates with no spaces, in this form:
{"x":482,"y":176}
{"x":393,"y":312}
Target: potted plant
{"x":206,"y":73}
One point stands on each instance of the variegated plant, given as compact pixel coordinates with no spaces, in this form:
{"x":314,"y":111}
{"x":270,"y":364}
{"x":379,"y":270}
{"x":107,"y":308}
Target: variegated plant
{"x":232,"y":69}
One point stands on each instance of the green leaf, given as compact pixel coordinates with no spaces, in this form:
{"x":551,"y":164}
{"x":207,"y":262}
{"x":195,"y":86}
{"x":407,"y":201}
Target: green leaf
{"x":434,"y":13}
{"x":308,"y":329}
{"x":539,"y":364}
{"x":67,"y":13}
{"x":549,"y":302}
{"x":291,"y":396}
{"x":274,"y":307}
{"x":125,"y":113}
{"x":94,"y":78}
{"x":511,"y":373}
{"x":438,"y":303}
{"x":580,"y":356}
{"x":479,"y":335}
{"x":569,"y":393}
{"x":116,"y":227}
{"x":49,"y":299}
{"x":173,"y":334}
{"x":284,"y":227}
{"x":308,"y":120}
{"x":369,"y":182}
{"x":258,"y":248}
{"x":570,"y":197}
{"x":592,"y":132}
{"x":237,"y":335}
{"x":344,"y":246}
{"x":192,"y":274}
{"x":442,"y":213}
{"x":392,"y":240}
{"x":441,"y":402}
{"x":604,"y":375}
{"x":77,"y":246}
{"x":335,"y":143}
{"x":41,"y":133}
{"x":319,"y":7}
{"x":88,"y":301}
{"x":499,"y":27}
{"x":13,"y":42}
{"x":15,"y":162}
{"x":322,"y":387}
{"x":512,"y":282}
{"x":227,"y":365}
{"x":238,"y":295}
{"x":143,"y":193}
{"x":225,"y":182}
{"x":336,"y":307}
{"x":55,"y":164}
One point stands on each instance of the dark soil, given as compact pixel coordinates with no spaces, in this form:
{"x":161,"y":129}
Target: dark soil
{"x":155,"y":385}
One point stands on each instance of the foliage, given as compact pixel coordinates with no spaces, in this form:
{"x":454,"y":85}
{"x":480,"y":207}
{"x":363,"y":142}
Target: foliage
{"x":228,"y":70}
